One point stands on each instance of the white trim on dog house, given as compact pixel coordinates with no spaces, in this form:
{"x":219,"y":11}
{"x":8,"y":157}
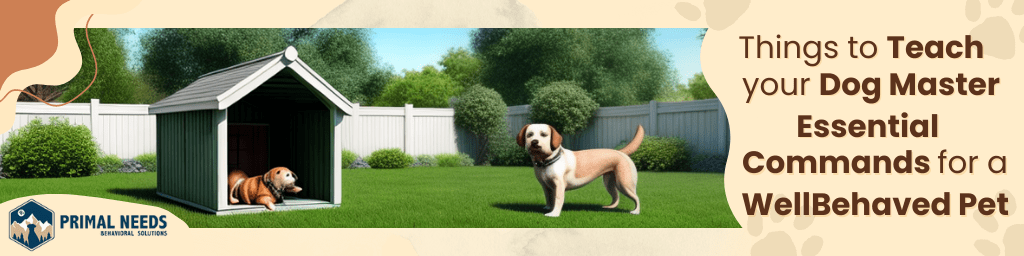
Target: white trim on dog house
{"x":222,"y":88}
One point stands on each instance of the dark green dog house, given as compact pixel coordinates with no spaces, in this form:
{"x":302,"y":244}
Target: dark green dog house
{"x":253,"y":116}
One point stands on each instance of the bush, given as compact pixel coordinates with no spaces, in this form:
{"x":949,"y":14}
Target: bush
{"x":57,"y":149}
{"x":148,"y":161}
{"x":429,"y":88}
{"x":109,"y":163}
{"x":389,"y":158}
{"x":504,"y":151}
{"x":481,"y":111}
{"x":465,"y":159}
{"x":425,"y":161}
{"x":454,"y":160}
{"x":660,"y":154}
{"x":563,"y":105}
{"x":347,"y":158}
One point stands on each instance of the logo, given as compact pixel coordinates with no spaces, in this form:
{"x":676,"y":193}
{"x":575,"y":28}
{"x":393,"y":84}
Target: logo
{"x":31,"y":225}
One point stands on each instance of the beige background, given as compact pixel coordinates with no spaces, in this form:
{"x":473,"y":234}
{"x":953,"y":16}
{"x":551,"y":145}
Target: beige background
{"x":970,"y":125}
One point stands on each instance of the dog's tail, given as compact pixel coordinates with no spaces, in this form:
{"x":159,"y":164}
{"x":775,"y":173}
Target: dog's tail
{"x":633,"y":145}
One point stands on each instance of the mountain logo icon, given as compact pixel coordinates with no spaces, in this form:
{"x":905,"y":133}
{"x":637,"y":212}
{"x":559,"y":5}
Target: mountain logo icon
{"x":31,"y":225}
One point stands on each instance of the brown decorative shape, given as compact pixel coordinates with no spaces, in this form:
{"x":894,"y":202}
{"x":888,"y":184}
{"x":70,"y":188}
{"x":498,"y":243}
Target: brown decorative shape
{"x":35,"y":27}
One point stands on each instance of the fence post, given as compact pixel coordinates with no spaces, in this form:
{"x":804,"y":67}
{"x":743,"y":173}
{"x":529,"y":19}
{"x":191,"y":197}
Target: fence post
{"x":653,"y":117}
{"x":408,"y":129}
{"x":722,"y":131}
{"x":94,"y":117}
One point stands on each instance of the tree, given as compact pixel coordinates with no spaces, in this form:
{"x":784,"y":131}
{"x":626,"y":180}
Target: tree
{"x":174,"y":58}
{"x":699,"y":89}
{"x":461,"y":66}
{"x":45,"y":92}
{"x":114,"y":82}
{"x":345,"y":58}
{"x":563,"y":105}
{"x":614,"y":66}
{"x":429,"y":88}
{"x":481,"y":111}
{"x":676,"y":92}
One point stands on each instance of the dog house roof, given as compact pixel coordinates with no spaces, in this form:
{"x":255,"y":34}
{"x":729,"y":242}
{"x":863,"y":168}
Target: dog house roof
{"x":222,"y":88}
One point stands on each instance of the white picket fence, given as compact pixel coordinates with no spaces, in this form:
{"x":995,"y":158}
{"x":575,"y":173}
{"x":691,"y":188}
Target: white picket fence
{"x":414,"y":130}
{"x":128,"y":130}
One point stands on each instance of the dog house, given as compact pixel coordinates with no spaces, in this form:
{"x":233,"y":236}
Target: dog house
{"x":253,"y":116}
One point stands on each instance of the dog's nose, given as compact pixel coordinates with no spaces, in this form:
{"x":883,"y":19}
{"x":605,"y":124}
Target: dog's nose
{"x":534,"y":142}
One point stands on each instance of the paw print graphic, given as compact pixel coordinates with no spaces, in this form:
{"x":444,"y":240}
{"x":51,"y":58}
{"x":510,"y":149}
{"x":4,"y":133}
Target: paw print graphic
{"x":1011,"y":237}
{"x":780,"y":242}
{"x":719,"y":14}
{"x":995,"y":31}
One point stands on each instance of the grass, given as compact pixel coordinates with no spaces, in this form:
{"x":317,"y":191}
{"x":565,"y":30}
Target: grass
{"x":437,"y":197}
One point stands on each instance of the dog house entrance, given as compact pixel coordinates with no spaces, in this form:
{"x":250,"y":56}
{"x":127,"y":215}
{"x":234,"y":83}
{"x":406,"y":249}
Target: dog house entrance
{"x":283,"y":123}
{"x":247,"y":148}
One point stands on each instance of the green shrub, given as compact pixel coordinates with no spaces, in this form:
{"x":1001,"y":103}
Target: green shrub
{"x":347,"y":158}
{"x":563,"y":105}
{"x":660,"y":154}
{"x":425,"y":161}
{"x":448,"y":160}
{"x":428,"y":88}
{"x":148,"y":161}
{"x":465,"y":159}
{"x":57,"y":149}
{"x":481,"y":111}
{"x":389,"y":158}
{"x":109,"y":163}
{"x":454,"y":160}
{"x":504,"y":151}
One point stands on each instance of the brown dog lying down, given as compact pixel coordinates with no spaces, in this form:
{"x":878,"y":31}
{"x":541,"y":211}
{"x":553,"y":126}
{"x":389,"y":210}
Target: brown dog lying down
{"x":266,"y":190}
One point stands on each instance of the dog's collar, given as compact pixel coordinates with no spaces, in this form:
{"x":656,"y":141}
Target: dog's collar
{"x":546,"y":163}
{"x":274,"y":190}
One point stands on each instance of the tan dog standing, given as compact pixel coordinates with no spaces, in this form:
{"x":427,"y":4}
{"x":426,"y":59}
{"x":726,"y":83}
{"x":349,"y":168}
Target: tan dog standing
{"x":559,"y":169}
{"x":267,"y":189}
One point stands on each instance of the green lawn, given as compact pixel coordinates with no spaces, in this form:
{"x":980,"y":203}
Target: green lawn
{"x":466,"y":197}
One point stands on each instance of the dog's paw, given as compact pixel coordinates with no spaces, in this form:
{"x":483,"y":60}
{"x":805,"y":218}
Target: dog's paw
{"x":270,"y":207}
{"x":295,"y":190}
{"x":552,"y":214}
{"x":234,"y":200}
{"x":635,"y":212}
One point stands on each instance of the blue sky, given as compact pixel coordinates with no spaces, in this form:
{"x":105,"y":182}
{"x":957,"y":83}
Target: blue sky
{"x":411,"y":49}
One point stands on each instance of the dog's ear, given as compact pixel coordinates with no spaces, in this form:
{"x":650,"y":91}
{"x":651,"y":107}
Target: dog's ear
{"x":556,"y":138}
{"x":521,"y":138}
{"x":270,"y":174}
